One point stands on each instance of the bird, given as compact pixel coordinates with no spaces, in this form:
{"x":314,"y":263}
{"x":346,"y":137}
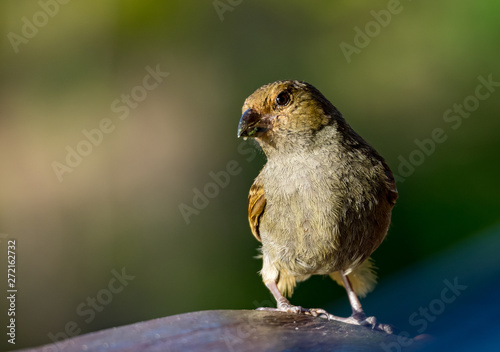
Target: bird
{"x":322,"y":203}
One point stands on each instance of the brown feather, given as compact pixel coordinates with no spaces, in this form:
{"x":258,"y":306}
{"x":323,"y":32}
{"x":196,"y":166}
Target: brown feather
{"x":256,"y":205}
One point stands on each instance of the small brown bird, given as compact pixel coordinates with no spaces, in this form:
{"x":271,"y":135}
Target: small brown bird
{"x":322,"y":202}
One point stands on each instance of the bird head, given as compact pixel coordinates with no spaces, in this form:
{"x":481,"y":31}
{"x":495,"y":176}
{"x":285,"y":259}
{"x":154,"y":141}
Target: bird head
{"x":285,"y":113}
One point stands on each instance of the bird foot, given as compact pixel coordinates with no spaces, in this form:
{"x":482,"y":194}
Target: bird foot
{"x":355,"y":318}
{"x":318,"y":312}
{"x":289,"y":308}
{"x":286,"y":307}
{"x":371,"y":322}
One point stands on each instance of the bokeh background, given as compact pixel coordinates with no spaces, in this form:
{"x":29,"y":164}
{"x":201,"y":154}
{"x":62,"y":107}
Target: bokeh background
{"x":119,"y":207}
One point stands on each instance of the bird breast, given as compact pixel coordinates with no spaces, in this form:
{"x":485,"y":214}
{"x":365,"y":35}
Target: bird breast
{"x":299,"y":228}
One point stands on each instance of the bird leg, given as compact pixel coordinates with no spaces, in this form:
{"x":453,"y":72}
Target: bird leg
{"x":284,"y":305}
{"x":357,"y":310}
{"x":358,"y":316}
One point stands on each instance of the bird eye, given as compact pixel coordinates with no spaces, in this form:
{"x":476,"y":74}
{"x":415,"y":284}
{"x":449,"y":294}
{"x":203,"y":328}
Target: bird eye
{"x":283,"y":98}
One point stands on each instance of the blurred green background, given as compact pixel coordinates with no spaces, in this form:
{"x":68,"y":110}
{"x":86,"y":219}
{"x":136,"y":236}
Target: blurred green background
{"x":119,"y":207}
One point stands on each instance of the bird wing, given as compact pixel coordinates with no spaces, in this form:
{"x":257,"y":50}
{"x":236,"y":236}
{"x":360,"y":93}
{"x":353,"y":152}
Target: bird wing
{"x":256,"y":206}
{"x":391,"y":185}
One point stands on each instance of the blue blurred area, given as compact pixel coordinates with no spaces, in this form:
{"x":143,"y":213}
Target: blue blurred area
{"x":452,"y":297}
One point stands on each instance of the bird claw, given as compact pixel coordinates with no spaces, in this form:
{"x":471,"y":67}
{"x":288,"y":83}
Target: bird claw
{"x":314,"y":312}
{"x":318,"y":312}
{"x":372,"y":323}
{"x":285,"y":307}
{"x":355,"y":319}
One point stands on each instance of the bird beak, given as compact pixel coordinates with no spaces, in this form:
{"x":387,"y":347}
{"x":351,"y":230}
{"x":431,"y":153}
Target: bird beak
{"x":251,"y":124}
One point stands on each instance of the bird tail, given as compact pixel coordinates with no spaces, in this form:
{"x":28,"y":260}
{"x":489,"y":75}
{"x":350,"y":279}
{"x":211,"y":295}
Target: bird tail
{"x":363,"y":278}
{"x":286,"y":285}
